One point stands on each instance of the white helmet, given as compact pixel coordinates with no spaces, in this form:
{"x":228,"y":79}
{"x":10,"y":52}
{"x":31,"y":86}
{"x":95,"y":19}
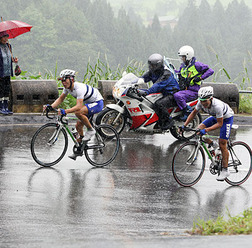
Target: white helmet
{"x":205,"y":93}
{"x":67,"y":73}
{"x":186,"y":51}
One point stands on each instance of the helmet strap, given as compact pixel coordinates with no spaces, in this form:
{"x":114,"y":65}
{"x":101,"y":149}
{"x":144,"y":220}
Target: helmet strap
{"x":71,"y":83}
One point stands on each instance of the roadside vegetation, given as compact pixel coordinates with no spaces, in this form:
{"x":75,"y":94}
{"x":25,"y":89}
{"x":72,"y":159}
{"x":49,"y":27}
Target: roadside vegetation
{"x":102,"y":71}
{"x":240,"y":224}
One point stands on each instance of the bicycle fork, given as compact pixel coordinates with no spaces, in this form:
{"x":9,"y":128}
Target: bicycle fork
{"x":193,"y":156}
{"x":54,"y":136}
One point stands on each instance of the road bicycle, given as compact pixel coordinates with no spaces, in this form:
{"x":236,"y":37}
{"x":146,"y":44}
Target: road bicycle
{"x":50,"y":142}
{"x":189,"y":161}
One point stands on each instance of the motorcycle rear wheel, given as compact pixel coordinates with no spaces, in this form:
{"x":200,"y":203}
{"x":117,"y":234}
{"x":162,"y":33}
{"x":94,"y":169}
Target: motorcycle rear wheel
{"x":187,"y":134}
{"x":108,"y":116}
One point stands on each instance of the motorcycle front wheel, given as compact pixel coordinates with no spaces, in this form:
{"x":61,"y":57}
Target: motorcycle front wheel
{"x":187,"y":134}
{"x":113,"y":118}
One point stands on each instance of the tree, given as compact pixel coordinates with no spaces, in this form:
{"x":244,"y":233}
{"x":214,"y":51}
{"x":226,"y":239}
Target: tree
{"x":155,"y":27}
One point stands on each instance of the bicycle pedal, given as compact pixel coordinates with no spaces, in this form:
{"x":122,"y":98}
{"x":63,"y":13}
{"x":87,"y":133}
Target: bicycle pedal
{"x":73,"y":156}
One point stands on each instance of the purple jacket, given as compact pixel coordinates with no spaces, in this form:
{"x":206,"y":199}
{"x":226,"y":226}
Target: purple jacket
{"x":200,"y":67}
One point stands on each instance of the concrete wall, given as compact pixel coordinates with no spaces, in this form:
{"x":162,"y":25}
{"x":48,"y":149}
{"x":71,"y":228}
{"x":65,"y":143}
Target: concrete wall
{"x":29,"y":96}
{"x":227,"y":92}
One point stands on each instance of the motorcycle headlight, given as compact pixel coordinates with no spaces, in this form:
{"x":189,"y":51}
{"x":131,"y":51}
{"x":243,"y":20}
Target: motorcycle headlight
{"x":115,"y":92}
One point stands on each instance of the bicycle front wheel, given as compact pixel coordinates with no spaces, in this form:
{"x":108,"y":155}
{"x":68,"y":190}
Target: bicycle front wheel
{"x":239,"y":163}
{"x":102,"y":150}
{"x":188,"y":164}
{"x":49,"y":144}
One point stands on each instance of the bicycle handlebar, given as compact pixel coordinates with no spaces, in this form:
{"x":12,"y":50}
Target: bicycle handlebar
{"x":49,"y":109}
{"x":189,"y":129}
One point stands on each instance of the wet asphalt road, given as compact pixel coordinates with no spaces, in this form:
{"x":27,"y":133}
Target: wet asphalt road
{"x":133,"y":202}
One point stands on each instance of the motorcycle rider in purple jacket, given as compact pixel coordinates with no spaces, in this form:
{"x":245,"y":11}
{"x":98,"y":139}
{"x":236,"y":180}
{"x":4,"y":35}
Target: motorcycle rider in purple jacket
{"x":191,"y":73}
{"x":163,"y":82}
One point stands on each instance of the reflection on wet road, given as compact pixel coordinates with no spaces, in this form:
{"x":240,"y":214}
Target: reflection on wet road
{"x":136,"y":195}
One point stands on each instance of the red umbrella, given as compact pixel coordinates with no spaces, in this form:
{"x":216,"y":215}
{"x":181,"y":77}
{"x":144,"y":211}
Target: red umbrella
{"x":14,"y":28}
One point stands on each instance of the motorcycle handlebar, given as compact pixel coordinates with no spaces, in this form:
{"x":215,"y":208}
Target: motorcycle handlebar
{"x":133,"y":93}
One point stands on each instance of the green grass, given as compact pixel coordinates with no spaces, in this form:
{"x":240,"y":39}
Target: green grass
{"x":245,"y":104}
{"x":240,"y":224}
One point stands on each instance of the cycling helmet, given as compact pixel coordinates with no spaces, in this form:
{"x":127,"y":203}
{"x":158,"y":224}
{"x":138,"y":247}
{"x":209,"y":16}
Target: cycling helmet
{"x":186,"y":51}
{"x":155,"y":62}
{"x":67,"y":73}
{"x":205,"y":93}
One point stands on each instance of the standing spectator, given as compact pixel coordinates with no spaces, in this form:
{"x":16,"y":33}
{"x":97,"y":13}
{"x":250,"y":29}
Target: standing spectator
{"x":6,"y":71}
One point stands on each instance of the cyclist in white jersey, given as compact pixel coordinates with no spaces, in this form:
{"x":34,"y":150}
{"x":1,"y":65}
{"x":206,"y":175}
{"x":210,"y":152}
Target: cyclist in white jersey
{"x":221,"y":117}
{"x":88,"y":102}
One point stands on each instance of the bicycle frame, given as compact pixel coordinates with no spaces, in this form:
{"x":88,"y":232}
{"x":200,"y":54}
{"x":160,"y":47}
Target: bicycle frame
{"x":63,"y":123}
{"x":190,"y":157}
{"x":200,"y":142}
{"x":194,"y":154}
{"x":235,"y":160}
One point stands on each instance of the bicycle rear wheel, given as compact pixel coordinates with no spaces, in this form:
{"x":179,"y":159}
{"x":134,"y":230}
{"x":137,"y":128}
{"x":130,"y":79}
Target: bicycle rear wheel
{"x":240,"y":163}
{"x":188,"y":164}
{"x":49,"y":144}
{"x":102,"y":150}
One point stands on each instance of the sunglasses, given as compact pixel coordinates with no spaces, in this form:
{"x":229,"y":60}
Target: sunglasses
{"x":62,"y":79}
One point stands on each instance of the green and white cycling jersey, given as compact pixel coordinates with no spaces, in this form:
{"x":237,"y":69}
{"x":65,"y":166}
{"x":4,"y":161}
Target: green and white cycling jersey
{"x":218,"y":109}
{"x":86,"y":92}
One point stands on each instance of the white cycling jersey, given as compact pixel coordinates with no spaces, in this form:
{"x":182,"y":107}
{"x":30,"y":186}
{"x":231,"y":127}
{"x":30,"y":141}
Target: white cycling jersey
{"x":218,"y":109}
{"x":86,"y":92}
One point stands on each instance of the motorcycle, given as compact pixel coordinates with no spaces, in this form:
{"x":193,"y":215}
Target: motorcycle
{"x":137,"y":113}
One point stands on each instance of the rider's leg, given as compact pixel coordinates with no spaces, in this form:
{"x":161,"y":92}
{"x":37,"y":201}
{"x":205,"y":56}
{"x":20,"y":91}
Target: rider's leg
{"x":83,"y":120}
{"x":208,"y":122}
{"x":225,"y":132}
{"x":88,"y":110}
{"x":161,"y":108}
{"x":224,"y":136}
{"x":224,"y":151}
{"x":203,"y":126}
{"x":82,"y":116}
{"x":224,"y":173}
{"x":79,"y":127}
{"x":183,"y":96}
{"x":180,"y":99}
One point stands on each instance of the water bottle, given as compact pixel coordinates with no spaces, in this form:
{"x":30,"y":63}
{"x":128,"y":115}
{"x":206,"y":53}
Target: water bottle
{"x":212,"y":151}
{"x":75,"y":133}
{"x":218,"y":155}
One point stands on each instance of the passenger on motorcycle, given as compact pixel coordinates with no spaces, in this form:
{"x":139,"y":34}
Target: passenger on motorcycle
{"x":221,"y":117}
{"x":191,"y":73}
{"x":89,"y":101}
{"x":163,"y":82}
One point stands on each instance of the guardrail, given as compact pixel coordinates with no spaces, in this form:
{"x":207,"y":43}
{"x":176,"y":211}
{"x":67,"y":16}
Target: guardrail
{"x":245,"y":91}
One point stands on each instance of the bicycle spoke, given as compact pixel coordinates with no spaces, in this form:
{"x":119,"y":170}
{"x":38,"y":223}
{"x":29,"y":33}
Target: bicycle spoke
{"x":49,"y":145}
{"x":102,"y":150}
{"x":188,"y":164}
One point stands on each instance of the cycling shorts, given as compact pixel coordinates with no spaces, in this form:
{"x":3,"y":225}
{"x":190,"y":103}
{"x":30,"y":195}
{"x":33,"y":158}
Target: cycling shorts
{"x":225,"y":130}
{"x":94,"y":107}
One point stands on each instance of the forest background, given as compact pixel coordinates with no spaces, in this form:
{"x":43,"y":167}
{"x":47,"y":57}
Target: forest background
{"x":75,"y":33}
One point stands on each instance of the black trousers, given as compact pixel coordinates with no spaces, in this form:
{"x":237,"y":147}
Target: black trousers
{"x":4,"y":87}
{"x":161,"y":107}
